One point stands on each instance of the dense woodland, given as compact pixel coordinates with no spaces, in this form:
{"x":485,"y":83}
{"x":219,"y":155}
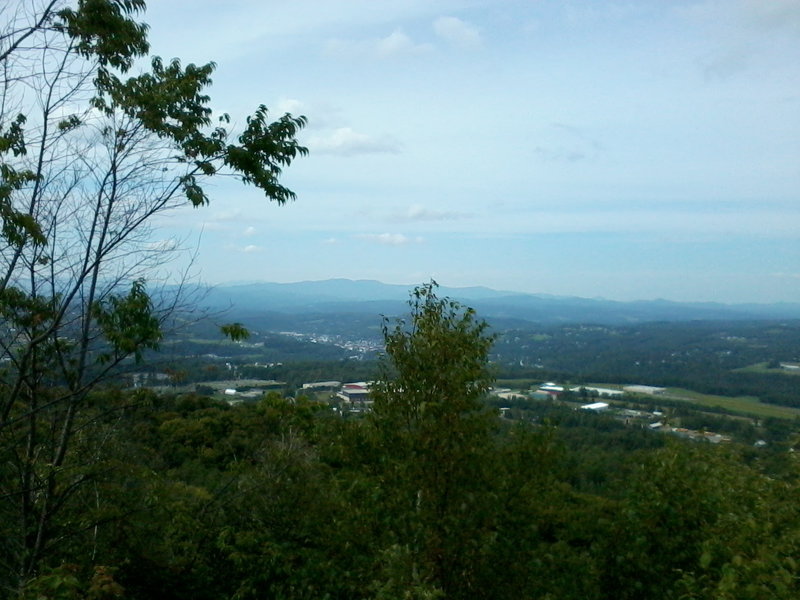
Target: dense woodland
{"x":707,"y":356}
{"x":431,"y":495}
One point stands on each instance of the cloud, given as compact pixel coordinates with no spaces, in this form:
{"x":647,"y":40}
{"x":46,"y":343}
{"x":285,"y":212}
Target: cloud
{"x":330,"y":241}
{"x":289,"y":105}
{"x":741,"y":30}
{"x":249,"y":231}
{"x":346,"y":142}
{"x":772,"y":15}
{"x":227,"y":220}
{"x":227,"y":215}
{"x":417,"y":212}
{"x":560,"y":154}
{"x":397,"y":43}
{"x":725,"y":64}
{"x":214,"y":226}
{"x":321,"y":114}
{"x":703,"y":222}
{"x":389,"y":239}
{"x":163,"y":245}
{"x":251,"y":249}
{"x":567,"y":143}
{"x":457,"y":32}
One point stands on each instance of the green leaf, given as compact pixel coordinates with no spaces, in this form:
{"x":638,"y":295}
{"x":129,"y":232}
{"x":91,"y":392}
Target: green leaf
{"x":235,"y":331}
{"x":128,"y":323}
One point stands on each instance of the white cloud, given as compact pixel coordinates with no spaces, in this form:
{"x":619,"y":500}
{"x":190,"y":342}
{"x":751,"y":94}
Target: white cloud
{"x":389,"y":239}
{"x":214,"y":226}
{"x":457,"y":32}
{"x":743,"y":30}
{"x":725,"y":64}
{"x":417,"y":212}
{"x":346,"y":142}
{"x":330,"y":241}
{"x":397,"y":43}
{"x":566,"y":143}
{"x":163,"y":245}
{"x":710,"y":223}
{"x":227,"y":215}
{"x":321,"y":114}
{"x":231,"y":29}
{"x":227,"y":220}
{"x":251,"y":249}
{"x":249,"y":231}
{"x":289,"y":105}
{"x":772,"y":14}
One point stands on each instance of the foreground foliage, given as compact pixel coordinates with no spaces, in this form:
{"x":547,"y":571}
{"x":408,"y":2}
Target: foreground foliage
{"x":431,"y":496}
{"x":90,"y":155}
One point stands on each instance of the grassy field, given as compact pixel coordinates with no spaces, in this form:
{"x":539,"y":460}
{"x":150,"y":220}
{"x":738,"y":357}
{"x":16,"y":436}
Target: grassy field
{"x":517,"y":384}
{"x":744,"y":405}
{"x":219,"y":386}
{"x":762,"y":368}
{"x":748,"y":405}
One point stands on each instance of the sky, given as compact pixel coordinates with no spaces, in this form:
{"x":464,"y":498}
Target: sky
{"x":626,"y":150}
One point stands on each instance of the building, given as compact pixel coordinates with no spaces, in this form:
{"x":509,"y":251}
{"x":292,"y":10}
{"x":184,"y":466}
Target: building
{"x":606,"y":392}
{"x":354,"y":392}
{"x":322,"y":385}
{"x":644,"y":389}
{"x":551,"y":389}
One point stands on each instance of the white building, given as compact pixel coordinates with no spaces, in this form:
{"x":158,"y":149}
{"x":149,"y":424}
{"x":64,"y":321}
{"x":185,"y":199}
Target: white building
{"x":607,"y":392}
{"x":644,"y":389}
{"x":354,"y":392}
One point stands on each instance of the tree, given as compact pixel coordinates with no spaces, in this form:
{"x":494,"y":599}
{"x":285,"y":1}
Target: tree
{"x":88,"y":156}
{"x":434,"y":437}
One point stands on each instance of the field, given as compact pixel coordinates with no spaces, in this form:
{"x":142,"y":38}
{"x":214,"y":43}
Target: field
{"x":744,"y":405}
{"x":748,"y":405}
{"x":763,"y":368}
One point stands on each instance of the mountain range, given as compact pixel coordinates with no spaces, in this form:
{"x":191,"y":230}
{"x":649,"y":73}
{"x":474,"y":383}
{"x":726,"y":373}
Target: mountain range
{"x":366,"y":297}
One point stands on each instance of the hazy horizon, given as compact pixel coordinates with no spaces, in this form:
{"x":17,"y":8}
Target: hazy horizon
{"x":444,"y":285}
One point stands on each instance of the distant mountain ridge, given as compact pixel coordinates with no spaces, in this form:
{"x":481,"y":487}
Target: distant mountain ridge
{"x":328,"y":297}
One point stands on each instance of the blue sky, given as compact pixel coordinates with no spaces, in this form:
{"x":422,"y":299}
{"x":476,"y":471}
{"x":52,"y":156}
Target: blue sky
{"x":630,"y":150}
